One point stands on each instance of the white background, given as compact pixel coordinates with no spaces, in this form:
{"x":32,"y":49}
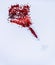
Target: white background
{"x":17,"y":45}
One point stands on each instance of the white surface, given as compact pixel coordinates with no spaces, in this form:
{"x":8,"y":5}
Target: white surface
{"x":18,"y":46}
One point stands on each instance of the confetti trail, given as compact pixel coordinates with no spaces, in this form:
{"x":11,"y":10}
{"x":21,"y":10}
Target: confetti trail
{"x":19,"y":14}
